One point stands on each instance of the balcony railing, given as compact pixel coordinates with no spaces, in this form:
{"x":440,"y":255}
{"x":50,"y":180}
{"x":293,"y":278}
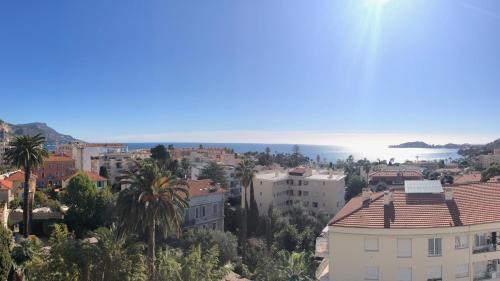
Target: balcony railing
{"x":434,"y":253}
{"x":484,"y":248}
{"x":487,"y":275}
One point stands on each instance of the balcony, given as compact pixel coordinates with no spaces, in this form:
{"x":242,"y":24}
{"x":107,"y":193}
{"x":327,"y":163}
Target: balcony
{"x":487,"y":270}
{"x":321,"y":247}
{"x":484,"y":248}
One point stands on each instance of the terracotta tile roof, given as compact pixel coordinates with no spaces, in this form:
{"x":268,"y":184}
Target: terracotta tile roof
{"x":472,"y":204}
{"x":6,"y":184}
{"x":103,"y":145}
{"x":19,"y":176}
{"x":467,"y":178}
{"x":58,"y":158}
{"x":395,"y":174}
{"x":202,"y":188}
{"x":298,"y":170}
{"x":92,"y":176}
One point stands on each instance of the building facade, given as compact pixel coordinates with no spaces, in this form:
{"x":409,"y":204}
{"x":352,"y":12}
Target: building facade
{"x":402,"y":236}
{"x":54,"y":170}
{"x":206,"y":206}
{"x":319,"y":191}
{"x":487,"y":160}
{"x":82,"y":153}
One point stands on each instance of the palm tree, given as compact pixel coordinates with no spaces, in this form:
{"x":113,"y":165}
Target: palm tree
{"x":27,"y":152}
{"x":295,"y":266}
{"x":153,"y":197}
{"x":245,"y":172}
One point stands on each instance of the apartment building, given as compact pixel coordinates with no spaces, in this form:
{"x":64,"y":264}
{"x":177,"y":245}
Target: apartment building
{"x":423,"y":232}
{"x":82,"y":153}
{"x":115,"y":164}
{"x":16,"y":179}
{"x":487,"y":160}
{"x":54,"y":170}
{"x":4,"y":146}
{"x":206,"y":206}
{"x":319,"y":191}
{"x":233,"y":183}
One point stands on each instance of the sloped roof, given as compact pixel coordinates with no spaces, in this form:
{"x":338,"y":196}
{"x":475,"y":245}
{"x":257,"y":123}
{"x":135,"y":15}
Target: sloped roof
{"x":472,"y":204}
{"x":202,"y":188}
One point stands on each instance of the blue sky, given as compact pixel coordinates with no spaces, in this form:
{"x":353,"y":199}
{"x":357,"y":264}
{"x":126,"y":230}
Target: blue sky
{"x":209,"y":70}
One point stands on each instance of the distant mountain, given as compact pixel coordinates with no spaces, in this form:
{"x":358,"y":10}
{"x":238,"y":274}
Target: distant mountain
{"x":52,"y":136}
{"x":480,"y":149}
{"x":421,"y":144}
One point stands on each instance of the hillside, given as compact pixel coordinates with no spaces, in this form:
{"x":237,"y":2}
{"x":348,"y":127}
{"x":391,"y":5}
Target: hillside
{"x":52,"y":136}
{"x":421,"y":144}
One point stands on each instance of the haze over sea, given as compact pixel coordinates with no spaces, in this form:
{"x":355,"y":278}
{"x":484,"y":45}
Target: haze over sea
{"x":326,"y":152}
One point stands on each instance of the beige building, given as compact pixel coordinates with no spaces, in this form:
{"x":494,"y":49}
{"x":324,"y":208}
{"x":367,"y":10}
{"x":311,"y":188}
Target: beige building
{"x":206,"y":206}
{"x":415,"y":234}
{"x":318,"y":191}
{"x":486,"y":160}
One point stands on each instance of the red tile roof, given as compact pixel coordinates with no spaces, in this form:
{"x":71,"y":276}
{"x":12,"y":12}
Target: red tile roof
{"x":58,"y":158}
{"x":298,"y":170}
{"x":202,"y":188}
{"x":19,"y":176}
{"x":6,"y":184}
{"x":472,"y":204}
{"x":467,"y":178}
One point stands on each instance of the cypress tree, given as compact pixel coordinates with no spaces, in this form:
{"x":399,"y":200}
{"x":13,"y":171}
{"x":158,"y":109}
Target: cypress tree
{"x":253,"y":214}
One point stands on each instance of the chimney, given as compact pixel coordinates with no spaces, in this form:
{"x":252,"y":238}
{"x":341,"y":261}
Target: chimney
{"x":387,"y":197}
{"x":448,"y":193}
{"x":365,"y":194}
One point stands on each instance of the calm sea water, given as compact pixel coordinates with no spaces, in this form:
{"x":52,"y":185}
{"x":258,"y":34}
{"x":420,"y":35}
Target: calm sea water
{"x":328,"y":153}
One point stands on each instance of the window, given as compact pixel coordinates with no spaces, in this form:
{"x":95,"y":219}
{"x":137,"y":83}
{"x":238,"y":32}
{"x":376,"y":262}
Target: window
{"x":305,"y":193}
{"x":261,"y":193}
{"x":371,"y":244}
{"x":203,"y":209}
{"x":214,"y":226}
{"x":300,"y":183}
{"x":404,"y":274}
{"x":434,"y":247}
{"x":404,"y":248}
{"x":461,"y":242}
{"x":434,"y":273}
{"x":371,"y":273}
{"x":480,"y":239}
{"x":197,"y":215}
{"x":300,"y":192}
{"x":215,"y":209}
{"x":462,"y":270}
{"x":315,"y":204}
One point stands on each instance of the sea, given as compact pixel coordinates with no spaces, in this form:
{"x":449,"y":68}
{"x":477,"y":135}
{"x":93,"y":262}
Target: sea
{"x":327,"y":153}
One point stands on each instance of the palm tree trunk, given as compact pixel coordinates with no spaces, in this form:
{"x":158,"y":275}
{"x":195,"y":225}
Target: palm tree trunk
{"x":244,"y":199}
{"x":151,"y":251}
{"x":26,"y":202}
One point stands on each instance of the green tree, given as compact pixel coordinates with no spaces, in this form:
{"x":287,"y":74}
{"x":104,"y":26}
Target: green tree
{"x":85,"y":211}
{"x":354,"y":187}
{"x":27,"y":152}
{"x":253,"y":214}
{"x":154,"y":199}
{"x":5,"y":259}
{"x":160,"y":153}
{"x":168,"y":266}
{"x":296,"y":267}
{"x":185,"y":169}
{"x":113,"y":259}
{"x":492,"y":171}
{"x":295,"y":155}
{"x":245,"y":172}
{"x":215,"y":172}
{"x":226,"y":242}
{"x":196,"y":266}
{"x":24,"y":255}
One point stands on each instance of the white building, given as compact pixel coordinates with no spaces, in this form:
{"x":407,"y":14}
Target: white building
{"x":83,"y":152}
{"x":318,"y":191}
{"x":233,"y":183}
{"x":206,"y":206}
{"x":4,"y":145}
{"x":420,"y":233}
